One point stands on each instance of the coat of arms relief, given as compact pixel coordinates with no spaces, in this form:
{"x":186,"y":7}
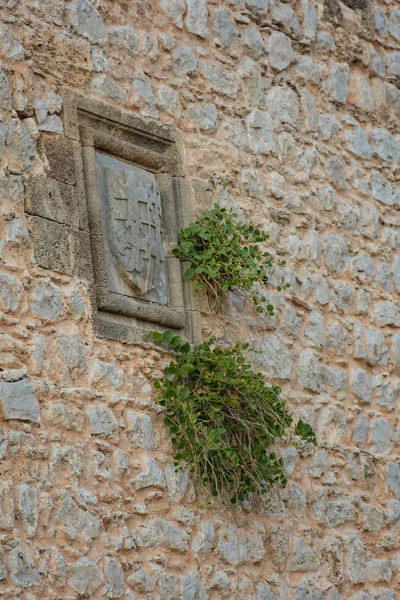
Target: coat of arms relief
{"x":133,"y":235}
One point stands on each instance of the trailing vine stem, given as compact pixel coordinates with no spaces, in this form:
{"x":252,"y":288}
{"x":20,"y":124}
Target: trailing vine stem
{"x":224,"y":419}
{"x":224,"y":255}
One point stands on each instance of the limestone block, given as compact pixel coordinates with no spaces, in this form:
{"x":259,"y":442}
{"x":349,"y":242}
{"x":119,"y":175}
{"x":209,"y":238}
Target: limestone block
{"x":72,"y":352}
{"x":47,"y":300}
{"x":11,"y":292}
{"x":225,"y":27}
{"x":174,"y":9}
{"x":102,"y":420}
{"x":302,"y":558}
{"x":18,"y":400}
{"x":204,"y":115}
{"x":336,"y":172}
{"x":22,"y":568}
{"x":197,"y":17}
{"x":355,"y":560}
{"x":124,"y":37}
{"x":220,"y":80}
{"x":7,"y":516}
{"x":377,"y":349}
{"x":203,"y":541}
{"x":141,"y":430}
{"x":161,"y":533}
{"x":114,"y":573}
{"x":88,"y":22}
{"x":378,"y":570}
{"x":153,"y":477}
{"x":280,"y":51}
{"x":184,"y":61}
{"x":381,"y":436}
{"x":28,"y":508}
{"x":85,"y":577}
{"x":361,"y":385}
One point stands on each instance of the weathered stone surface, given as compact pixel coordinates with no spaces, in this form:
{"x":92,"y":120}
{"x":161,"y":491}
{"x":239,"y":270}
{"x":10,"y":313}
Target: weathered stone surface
{"x":204,"y":115}
{"x":125,"y":37}
{"x":333,"y":513}
{"x":153,"y":477}
{"x":7,"y":515}
{"x":66,"y":417}
{"x":174,"y":9}
{"x":360,"y":93}
{"x":282,"y":104}
{"x":141,"y":430}
{"x":303,"y":558}
{"x":21,"y":567}
{"x":102,"y":420}
{"x":72,"y":352}
{"x":336,"y":253}
{"x":309,"y":370}
{"x":11,"y":292}
{"x":393,"y":478}
{"x":85,"y":577}
{"x":184,"y":61}
{"x":225,"y":27}
{"x":220,"y":80}
{"x":384,"y":145}
{"x":47,"y":300}
{"x":361,"y":385}
{"x":260,"y":132}
{"x":315,"y":329}
{"x":355,"y":560}
{"x":337,"y":84}
{"x":142,"y":581}
{"x":357,"y":143}
{"x":18,"y":401}
{"x":274,"y":358}
{"x":115,"y":584}
{"x":161,"y":533}
{"x":28,"y":508}
{"x":203,"y":541}
{"x":280,"y":51}
{"x":192,"y":588}
{"x":336,"y":172}
{"x":196,"y":17}
{"x":381,"y":436}
{"x":177,"y":481}
{"x":88,"y":22}
{"x":332,"y":426}
{"x":11,"y":49}
{"x":236,"y":547}
{"x":288,"y":113}
{"x":378,"y":570}
{"x":76,"y":522}
{"x":377,"y":349}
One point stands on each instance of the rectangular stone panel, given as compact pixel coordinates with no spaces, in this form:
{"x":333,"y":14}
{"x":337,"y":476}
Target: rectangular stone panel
{"x":132,"y":230}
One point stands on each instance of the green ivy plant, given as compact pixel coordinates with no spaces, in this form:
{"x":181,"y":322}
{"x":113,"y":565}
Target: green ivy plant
{"x":224,"y":255}
{"x":223,"y":418}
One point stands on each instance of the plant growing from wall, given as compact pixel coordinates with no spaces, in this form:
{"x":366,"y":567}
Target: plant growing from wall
{"x":224,"y":255}
{"x":223,"y":418}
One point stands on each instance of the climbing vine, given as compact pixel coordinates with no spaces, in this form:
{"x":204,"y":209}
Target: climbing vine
{"x":224,"y":254}
{"x":224,"y":419}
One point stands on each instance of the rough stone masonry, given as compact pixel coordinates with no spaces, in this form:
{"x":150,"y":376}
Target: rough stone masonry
{"x":289,"y":113}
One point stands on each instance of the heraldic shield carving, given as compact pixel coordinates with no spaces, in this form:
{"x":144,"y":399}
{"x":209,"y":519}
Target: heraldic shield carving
{"x":132,"y":226}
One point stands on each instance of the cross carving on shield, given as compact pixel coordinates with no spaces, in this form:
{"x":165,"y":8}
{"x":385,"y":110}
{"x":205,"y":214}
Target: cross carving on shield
{"x":134,"y":236}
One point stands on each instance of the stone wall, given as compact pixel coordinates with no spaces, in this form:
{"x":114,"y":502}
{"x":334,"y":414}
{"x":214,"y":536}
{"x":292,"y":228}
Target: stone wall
{"x":289,"y":112}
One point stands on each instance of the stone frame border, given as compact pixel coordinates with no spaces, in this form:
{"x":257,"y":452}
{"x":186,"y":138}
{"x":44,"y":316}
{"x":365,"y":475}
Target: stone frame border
{"x":94,"y":126}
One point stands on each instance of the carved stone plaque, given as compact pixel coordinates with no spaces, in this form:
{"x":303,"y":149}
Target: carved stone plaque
{"x":132,"y":230}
